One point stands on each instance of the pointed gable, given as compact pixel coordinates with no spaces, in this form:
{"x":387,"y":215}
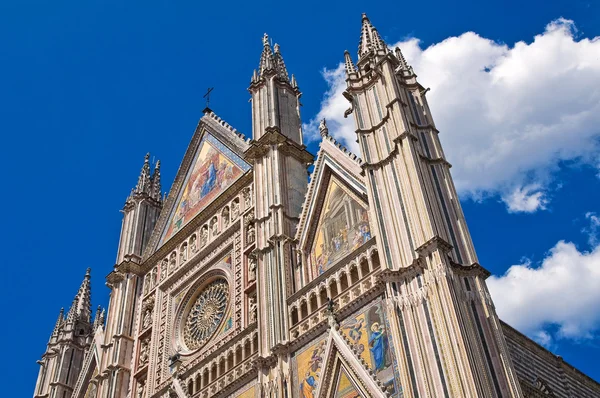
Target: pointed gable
{"x":214,"y":168}
{"x":345,"y":387}
{"x":335,"y":219}
{"x":197,"y":183}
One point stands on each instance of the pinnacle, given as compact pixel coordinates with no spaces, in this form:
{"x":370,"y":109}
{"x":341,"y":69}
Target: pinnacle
{"x":369,"y":38}
{"x":271,"y":60}
{"x":81,"y":307}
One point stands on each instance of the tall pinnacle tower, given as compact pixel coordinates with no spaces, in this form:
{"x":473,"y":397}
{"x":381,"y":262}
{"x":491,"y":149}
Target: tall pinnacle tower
{"x":69,"y":343}
{"x":280,"y":175}
{"x":452,"y":330}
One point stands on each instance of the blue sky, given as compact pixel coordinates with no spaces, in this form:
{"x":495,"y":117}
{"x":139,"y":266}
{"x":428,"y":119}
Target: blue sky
{"x":89,"y":87}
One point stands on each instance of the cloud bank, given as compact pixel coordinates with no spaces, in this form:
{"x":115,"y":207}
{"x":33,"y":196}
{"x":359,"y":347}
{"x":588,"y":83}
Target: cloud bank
{"x":508,"y":115}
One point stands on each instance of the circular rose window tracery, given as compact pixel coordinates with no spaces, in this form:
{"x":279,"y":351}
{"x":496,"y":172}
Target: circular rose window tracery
{"x":206,"y":314}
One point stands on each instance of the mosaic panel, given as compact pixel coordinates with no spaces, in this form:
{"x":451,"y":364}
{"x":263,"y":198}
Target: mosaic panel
{"x":213,"y":170}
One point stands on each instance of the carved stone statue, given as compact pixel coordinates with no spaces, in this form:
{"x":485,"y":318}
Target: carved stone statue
{"x":173,"y":261}
{"x":235,"y":209}
{"x":225,"y":217}
{"x":183,"y":254}
{"x":252,"y":308}
{"x":163,"y":268}
{"x":251,"y":268}
{"x":193,"y":244}
{"x":247,"y":197}
{"x":250,"y":233}
{"x":141,"y":389}
{"x":323,"y":128}
{"x":203,"y":236}
{"x":143,"y":352}
{"x":214,"y":226}
{"x":147,"y":318}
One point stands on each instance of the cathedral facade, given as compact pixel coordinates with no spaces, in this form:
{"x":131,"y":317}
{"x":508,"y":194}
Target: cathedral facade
{"x":256,"y":278}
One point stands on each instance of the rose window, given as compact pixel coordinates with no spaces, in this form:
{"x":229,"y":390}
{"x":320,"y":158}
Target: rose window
{"x":206,"y":314}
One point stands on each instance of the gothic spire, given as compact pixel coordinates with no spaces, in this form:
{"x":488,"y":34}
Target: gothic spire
{"x":266,"y":58}
{"x":271,"y":60}
{"x":350,"y":67}
{"x":81,"y":308}
{"x":59,"y":322}
{"x":369,"y":38}
{"x":99,"y":317}
{"x":144,"y":183}
{"x":279,"y":64}
{"x":156,"y":188}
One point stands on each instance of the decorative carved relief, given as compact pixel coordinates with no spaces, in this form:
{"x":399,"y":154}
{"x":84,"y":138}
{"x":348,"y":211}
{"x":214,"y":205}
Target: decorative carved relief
{"x":247,"y":193}
{"x":183,"y":253}
{"x":144,"y":352}
{"x":250,"y":233}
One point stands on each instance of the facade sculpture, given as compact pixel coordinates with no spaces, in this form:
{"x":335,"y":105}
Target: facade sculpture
{"x":253,"y":278}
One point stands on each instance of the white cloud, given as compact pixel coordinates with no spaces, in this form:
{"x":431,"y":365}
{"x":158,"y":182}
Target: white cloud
{"x":593,"y":229}
{"x":508,"y":116}
{"x":527,"y":199}
{"x":557,"y":299}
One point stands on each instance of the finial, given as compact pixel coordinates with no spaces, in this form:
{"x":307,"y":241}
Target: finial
{"x":276,"y":48}
{"x":265,"y":40}
{"x":364,"y":16}
{"x":157,"y":166}
{"x":350,"y":67}
{"x":323,"y":128}
{"x":147,"y":158}
{"x":294,"y":82}
{"x":88,"y":272}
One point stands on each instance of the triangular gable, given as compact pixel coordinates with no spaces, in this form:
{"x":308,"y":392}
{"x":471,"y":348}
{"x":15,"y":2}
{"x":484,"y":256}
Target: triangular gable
{"x":343,"y":373}
{"x":341,"y":227}
{"x":230,"y":145}
{"x":214,"y":168}
{"x":345,"y":386}
{"x":331,"y":159}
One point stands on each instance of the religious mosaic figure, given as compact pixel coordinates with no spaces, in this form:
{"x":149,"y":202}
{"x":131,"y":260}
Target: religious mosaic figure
{"x":377,"y":345}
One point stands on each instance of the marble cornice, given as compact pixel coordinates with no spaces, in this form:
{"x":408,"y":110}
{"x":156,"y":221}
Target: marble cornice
{"x":436,"y":161}
{"x":432,"y":245}
{"x":387,"y":159}
{"x":398,"y":275}
{"x":273,"y":136}
{"x":473,"y":269}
